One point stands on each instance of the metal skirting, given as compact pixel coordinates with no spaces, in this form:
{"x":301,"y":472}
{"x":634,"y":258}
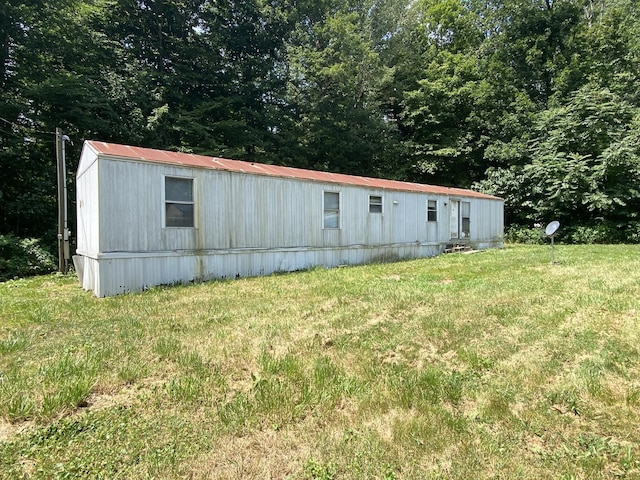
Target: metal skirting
{"x":122,"y":272}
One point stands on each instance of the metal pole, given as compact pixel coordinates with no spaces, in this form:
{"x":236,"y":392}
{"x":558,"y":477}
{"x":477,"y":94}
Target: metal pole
{"x":552,"y":261}
{"x":65,"y":213}
{"x":61,"y":206}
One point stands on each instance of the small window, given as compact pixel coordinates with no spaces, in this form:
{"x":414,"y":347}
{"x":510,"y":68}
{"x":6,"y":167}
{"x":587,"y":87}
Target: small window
{"x":331,"y":210}
{"x":178,"y":200}
{"x":375,"y":204}
{"x":432,"y":210}
{"x":466,"y":219}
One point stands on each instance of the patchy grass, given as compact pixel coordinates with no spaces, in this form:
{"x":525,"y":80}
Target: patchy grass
{"x":493,"y":365}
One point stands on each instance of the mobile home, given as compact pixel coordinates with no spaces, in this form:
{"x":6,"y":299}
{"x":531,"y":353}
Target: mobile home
{"x":149,"y":217}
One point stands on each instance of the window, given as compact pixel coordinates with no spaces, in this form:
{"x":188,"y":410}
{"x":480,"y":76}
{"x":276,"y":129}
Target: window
{"x":375,"y":204}
{"x":466,"y":219}
{"x":331,"y":210}
{"x":178,"y":202}
{"x":432,"y":210}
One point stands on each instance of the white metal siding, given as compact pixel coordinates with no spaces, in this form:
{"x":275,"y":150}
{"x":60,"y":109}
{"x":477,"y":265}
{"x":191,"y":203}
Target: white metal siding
{"x":249,"y":225}
{"x":87,"y":203}
{"x":131,"y":206}
{"x":114,"y":274}
{"x":486,"y":220}
{"x":250,"y":211}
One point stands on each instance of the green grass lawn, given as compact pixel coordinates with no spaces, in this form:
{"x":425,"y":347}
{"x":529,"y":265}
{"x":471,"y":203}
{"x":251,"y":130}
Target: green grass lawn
{"x":491,"y":365}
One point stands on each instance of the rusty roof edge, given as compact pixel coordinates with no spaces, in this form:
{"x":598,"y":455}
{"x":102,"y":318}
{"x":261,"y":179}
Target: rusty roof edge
{"x":217,"y":164}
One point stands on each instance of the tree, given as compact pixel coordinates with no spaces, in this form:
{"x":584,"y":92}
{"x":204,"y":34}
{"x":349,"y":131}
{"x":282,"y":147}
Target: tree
{"x":535,"y":100}
{"x":446,"y":109}
{"x":46,"y":83}
{"x":586,"y":159}
{"x":335,"y":79}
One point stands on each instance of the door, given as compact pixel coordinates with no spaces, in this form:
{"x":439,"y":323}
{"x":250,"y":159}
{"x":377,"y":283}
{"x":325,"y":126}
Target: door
{"x":460,"y":220}
{"x":455,"y":218}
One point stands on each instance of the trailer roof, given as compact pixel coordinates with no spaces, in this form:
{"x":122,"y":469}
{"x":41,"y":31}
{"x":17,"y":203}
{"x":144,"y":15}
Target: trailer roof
{"x":200,"y":161}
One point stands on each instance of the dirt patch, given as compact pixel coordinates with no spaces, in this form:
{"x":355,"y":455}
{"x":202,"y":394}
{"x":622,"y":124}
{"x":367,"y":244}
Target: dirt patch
{"x":267,"y":454}
{"x":394,"y":278}
{"x":430,"y":355}
{"x":385,"y":424}
{"x":99,"y":401}
{"x":8,"y":430}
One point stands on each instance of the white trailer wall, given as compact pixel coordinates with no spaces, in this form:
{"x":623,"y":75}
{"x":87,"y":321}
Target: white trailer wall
{"x":247,"y":224}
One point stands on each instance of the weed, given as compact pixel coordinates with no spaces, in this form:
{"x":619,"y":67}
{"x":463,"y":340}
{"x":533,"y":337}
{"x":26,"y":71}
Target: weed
{"x":130,"y":371}
{"x":167,"y":348}
{"x":16,"y":341}
{"x":236,"y":414}
{"x":565,"y":401}
{"x":187,"y":389}
{"x":69,"y":396}
{"x":314,"y":470}
{"x":17,"y":406}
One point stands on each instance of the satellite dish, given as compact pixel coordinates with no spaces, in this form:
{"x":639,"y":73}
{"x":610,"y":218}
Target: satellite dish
{"x":552,"y":228}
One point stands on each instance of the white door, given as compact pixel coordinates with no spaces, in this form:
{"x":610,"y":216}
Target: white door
{"x":455,"y":218}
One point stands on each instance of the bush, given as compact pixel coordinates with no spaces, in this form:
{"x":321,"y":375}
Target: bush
{"x":21,"y":257}
{"x":605,"y":232}
{"x":528,"y":235}
{"x":590,"y":235}
{"x":600,"y":233}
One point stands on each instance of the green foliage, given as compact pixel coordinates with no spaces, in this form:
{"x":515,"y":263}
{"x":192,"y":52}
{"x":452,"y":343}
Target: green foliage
{"x":23,"y":257}
{"x":314,"y":470}
{"x":525,"y":235}
{"x":598,"y":233}
{"x":537,"y":101}
{"x":335,"y":80}
{"x":586,"y":160}
{"x":516,"y":188}
{"x":604,"y":233}
{"x":441,"y":111}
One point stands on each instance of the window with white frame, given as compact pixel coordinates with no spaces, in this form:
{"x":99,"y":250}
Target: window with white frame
{"x":331,"y":210}
{"x":178,"y":202}
{"x":465,"y":219}
{"x":375,"y":204}
{"x":432,"y":210}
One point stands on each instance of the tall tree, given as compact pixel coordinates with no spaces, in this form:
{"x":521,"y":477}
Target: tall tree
{"x":440,"y":90}
{"x":49,"y":79}
{"x":538,"y":98}
{"x":208,"y":69}
{"x":586,"y":159}
{"x":335,"y":79}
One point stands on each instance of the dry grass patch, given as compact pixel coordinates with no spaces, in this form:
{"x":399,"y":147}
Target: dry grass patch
{"x":266,"y":454}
